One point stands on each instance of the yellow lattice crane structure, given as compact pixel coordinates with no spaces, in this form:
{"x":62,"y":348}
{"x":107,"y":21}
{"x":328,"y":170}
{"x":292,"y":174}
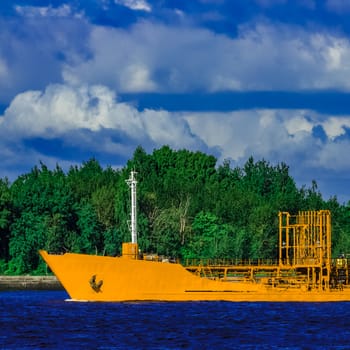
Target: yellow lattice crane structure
{"x":305,"y":246}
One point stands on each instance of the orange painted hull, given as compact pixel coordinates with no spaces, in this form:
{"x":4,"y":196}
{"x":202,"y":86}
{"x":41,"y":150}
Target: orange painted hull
{"x":109,"y":279}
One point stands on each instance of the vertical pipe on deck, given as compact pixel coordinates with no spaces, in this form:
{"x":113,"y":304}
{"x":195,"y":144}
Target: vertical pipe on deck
{"x":132,"y":184}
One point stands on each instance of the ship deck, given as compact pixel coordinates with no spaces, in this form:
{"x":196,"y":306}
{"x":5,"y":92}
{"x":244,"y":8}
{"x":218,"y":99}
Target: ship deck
{"x":270,"y":272}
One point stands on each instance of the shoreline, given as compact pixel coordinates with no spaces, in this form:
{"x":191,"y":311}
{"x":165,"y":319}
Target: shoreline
{"x":29,"y":283}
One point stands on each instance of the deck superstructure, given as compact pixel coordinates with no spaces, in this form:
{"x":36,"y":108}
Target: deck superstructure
{"x":304,"y":258}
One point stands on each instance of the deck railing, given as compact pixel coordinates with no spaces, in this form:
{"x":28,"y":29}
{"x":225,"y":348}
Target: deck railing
{"x":230,"y":262}
{"x":337,"y":262}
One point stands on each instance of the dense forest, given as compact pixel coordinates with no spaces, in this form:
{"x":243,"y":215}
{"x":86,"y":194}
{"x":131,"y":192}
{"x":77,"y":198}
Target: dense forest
{"x":188,"y":206}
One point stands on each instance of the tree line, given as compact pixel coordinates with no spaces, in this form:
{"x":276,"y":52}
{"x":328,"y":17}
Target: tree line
{"x":188,"y":207}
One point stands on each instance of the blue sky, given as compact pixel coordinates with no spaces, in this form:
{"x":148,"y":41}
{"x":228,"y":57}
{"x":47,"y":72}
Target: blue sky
{"x":232,"y":78}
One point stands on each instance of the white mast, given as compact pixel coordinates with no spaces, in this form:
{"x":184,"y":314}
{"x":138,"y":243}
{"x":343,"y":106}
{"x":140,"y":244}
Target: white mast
{"x":132,"y":184}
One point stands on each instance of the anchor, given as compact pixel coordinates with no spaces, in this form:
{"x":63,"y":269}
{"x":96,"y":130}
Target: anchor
{"x":96,"y":286}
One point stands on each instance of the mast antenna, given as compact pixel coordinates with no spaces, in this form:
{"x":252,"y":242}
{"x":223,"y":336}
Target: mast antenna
{"x":132,"y":184}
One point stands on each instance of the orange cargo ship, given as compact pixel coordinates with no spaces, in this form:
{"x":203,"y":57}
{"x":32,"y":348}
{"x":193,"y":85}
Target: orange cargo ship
{"x":304,"y":272}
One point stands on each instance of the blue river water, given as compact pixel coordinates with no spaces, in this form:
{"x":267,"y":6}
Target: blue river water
{"x":44,"y":320}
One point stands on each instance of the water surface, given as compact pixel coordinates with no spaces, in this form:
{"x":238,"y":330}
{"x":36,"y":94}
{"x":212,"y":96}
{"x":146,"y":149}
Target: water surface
{"x":44,"y":320}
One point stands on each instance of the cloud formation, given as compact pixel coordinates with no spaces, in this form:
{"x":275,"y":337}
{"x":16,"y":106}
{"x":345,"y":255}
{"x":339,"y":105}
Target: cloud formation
{"x":92,"y":118}
{"x":155,"y":57}
{"x":137,"y":5}
{"x":46,"y":11}
{"x":61,"y":111}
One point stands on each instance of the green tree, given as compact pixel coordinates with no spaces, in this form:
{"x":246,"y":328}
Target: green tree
{"x":170,"y":229}
{"x":86,"y":179}
{"x":27,"y":237}
{"x":5,"y":219}
{"x":90,"y":239}
{"x":210,"y":238}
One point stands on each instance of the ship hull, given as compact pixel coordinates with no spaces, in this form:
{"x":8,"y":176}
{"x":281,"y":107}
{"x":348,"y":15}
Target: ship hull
{"x":120,"y":279}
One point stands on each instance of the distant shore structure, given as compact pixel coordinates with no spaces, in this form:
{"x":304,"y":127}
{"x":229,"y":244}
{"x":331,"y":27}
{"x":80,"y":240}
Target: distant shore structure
{"x":29,"y":283}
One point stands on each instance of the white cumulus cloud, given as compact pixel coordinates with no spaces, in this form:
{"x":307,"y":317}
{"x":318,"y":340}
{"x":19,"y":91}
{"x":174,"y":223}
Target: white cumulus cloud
{"x":156,"y":57}
{"x":94,"y":117}
{"x":46,"y":11}
{"x":336,"y":126}
{"x":298,"y":123}
{"x":61,"y":45}
{"x":138,"y":5}
{"x":72,"y":113}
